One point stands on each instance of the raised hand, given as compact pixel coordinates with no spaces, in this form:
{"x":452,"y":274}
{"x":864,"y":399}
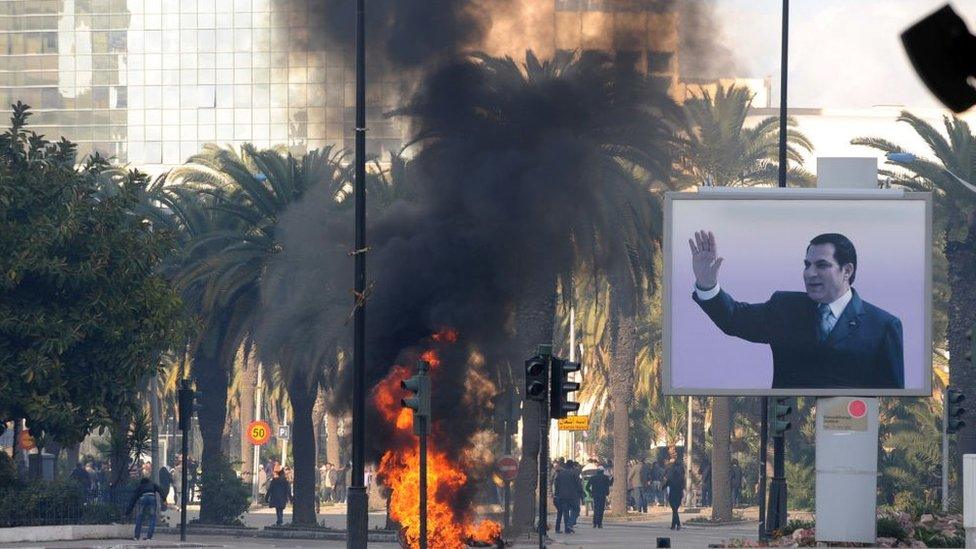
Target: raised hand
{"x":704,"y":259}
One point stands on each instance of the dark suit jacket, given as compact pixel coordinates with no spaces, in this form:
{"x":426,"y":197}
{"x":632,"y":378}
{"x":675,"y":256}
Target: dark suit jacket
{"x":864,"y":350}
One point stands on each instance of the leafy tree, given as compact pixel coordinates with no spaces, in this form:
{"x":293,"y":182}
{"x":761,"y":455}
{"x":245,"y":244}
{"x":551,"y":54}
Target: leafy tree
{"x":84,"y":312}
{"x":574,"y":133}
{"x":952,"y":164}
{"x":717,"y":149}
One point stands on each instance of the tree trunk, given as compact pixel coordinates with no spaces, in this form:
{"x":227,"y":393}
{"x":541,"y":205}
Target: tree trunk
{"x":721,"y":459}
{"x":318,"y":419}
{"x":621,"y":396}
{"x":534,"y":324}
{"x":249,"y":383}
{"x":211,"y":380}
{"x":332,"y":439}
{"x":302,"y":394}
{"x":73,"y":455}
{"x":962,"y":303}
{"x":156,"y":419}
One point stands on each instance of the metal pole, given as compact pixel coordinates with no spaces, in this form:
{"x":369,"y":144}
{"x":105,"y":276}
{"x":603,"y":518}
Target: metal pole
{"x":423,"y":482}
{"x":783,"y":92}
{"x":183,"y":484}
{"x":284,"y":443}
{"x":763,"y":451}
{"x":945,"y":451}
{"x":777,"y":497}
{"x":572,"y":358}
{"x":508,"y":452}
{"x":357,"y":517}
{"x":255,"y":466}
{"x":543,"y":466}
{"x":688,"y":448}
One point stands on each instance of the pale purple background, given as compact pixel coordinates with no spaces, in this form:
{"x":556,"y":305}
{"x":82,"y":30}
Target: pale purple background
{"x":764,"y":243}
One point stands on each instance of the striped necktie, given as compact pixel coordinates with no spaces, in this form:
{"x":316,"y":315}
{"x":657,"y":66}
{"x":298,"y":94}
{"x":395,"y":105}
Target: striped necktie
{"x":827,"y":320}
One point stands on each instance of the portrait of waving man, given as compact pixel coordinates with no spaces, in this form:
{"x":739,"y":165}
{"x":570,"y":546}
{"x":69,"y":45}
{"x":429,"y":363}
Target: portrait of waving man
{"x":825,"y":337}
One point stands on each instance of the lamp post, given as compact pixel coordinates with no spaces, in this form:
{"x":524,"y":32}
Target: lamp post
{"x":357,"y":517}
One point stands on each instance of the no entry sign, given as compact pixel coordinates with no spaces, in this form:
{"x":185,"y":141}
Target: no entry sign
{"x":258,"y":432}
{"x":507,"y":467}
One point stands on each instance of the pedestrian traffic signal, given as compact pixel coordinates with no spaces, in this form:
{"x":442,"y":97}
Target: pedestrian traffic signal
{"x":559,"y":403}
{"x":186,"y":404}
{"x":536,"y":372}
{"x":419,"y":385}
{"x":781,"y":414}
{"x":954,"y":410}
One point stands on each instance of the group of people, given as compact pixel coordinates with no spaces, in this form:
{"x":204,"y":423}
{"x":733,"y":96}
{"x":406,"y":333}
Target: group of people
{"x":333,"y":483}
{"x":645,"y":484}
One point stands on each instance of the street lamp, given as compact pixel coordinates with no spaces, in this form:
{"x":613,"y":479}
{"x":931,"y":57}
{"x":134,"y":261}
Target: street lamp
{"x":909,"y":158}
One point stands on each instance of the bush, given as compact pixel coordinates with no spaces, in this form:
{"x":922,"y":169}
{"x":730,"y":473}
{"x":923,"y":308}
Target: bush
{"x":225,"y":497}
{"x":101,"y":513}
{"x":891,"y":527}
{"x":40,"y":503}
{"x":797,"y":524}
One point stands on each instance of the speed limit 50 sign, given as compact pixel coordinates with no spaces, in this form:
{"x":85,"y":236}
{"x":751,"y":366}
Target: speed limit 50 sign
{"x":258,"y":432}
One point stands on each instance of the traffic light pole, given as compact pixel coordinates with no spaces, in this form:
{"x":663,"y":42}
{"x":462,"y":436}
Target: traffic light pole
{"x":508,"y":452}
{"x":423,"y":481}
{"x":185,"y":412}
{"x":776,"y":515}
{"x":945,"y":451}
{"x":763,"y":452}
{"x":543,"y":470}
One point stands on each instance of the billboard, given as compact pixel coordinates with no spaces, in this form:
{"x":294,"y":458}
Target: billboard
{"x":797,"y":292}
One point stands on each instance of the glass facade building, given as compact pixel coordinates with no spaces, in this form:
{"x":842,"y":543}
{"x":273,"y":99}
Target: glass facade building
{"x":149,"y":81}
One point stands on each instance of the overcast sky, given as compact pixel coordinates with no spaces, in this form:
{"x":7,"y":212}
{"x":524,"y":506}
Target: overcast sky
{"x":843,"y":53}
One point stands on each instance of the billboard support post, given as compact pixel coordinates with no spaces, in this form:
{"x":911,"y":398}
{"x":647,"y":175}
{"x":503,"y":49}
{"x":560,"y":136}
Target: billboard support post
{"x":763,"y":452}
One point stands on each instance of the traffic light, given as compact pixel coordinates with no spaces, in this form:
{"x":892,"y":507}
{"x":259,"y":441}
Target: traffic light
{"x":420,"y":402}
{"x":186,"y":407}
{"x":536,"y":384}
{"x":781,"y":414}
{"x":954,"y":410}
{"x":559,"y":403}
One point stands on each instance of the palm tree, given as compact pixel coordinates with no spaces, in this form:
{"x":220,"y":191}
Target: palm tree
{"x":490,"y":124}
{"x":954,"y":228}
{"x":254,"y":188}
{"x":717,"y":149}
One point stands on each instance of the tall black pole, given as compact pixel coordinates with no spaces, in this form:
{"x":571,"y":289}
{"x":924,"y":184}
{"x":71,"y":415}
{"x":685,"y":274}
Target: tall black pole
{"x":509,"y":396}
{"x":357,"y":517}
{"x":783,"y":65}
{"x":763,"y":451}
{"x":776,"y":513}
{"x":543,"y":467}
{"x":423,"y":482}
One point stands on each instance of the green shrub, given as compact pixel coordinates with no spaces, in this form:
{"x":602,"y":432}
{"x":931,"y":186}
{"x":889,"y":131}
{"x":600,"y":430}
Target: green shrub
{"x":802,"y":481}
{"x":100,"y":513}
{"x":796,"y":524}
{"x":225,"y":497}
{"x":40,"y":503}
{"x":890,"y":527}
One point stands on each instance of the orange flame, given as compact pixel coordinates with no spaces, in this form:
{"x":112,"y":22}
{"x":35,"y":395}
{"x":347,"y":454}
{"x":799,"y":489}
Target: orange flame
{"x":447,"y":527}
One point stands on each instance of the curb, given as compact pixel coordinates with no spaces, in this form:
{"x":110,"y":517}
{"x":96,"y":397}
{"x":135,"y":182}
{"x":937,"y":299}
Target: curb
{"x":280,"y":533}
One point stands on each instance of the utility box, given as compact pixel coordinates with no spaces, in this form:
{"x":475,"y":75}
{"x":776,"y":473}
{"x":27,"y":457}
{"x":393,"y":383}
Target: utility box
{"x":969,"y":498}
{"x":847,"y":469}
{"x":847,"y":172}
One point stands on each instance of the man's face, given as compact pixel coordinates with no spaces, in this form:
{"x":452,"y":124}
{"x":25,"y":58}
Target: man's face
{"x":825,"y":280}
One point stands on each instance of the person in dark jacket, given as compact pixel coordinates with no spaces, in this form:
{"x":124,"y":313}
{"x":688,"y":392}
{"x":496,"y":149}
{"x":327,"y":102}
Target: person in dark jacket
{"x":165,"y":481}
{"x":674,"y":483}
{"x":148,"y":497}
{"x":599,"y":487}
{"x":568,"y":493}
{"x":279,"y":495}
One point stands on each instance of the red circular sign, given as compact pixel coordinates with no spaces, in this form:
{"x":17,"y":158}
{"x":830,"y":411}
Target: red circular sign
{"x":507,"y":467}
{"x":857,"y":408}
{"x":258,"y":432}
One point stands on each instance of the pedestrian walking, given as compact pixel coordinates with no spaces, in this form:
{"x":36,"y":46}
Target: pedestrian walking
{"x":645,"y":489}
{"x":328,"y":481}
{"x":674,"y":482}
{"x":567,"y":494}
{"x":657,"y":483}
{"x":633,"y":484}
{"x":165,"y":482}
{"x":735,"y":477}
{"x":148,"y":497}
{"x":706,"y":483}
{"x":340,"y":483}
{"x":598,"y":485}
{"x":178,"y":482}
{"x":279,"y":495}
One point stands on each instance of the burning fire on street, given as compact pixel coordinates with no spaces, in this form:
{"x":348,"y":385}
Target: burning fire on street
{"x":451,"y":520}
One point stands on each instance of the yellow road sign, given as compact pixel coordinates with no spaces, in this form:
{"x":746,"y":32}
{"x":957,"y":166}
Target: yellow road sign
{"x":575,"y":423}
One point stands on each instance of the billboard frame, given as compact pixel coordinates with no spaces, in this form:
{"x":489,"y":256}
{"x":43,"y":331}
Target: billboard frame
{"x":778,"y":194}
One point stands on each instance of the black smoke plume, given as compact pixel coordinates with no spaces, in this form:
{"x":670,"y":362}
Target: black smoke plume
{"x":518,"y":174}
